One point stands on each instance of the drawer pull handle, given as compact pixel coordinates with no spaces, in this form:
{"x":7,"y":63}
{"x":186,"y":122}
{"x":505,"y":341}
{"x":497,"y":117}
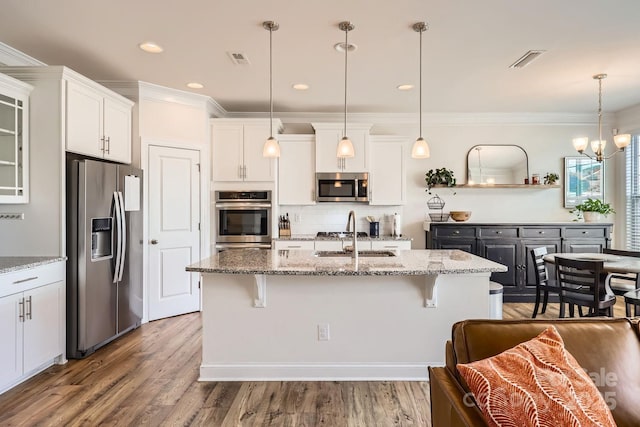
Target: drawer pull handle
{"x":541,"y":232}
{"x":585,"y":232}
{"x":498,"y":232}
{"x":391,"y":246}
{"x":28,"y":279}
{"x":456,"y":232}
{"x":294,"y":246}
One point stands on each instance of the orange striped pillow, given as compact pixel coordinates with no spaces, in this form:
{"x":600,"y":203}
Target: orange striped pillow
{"x":535,"y":383}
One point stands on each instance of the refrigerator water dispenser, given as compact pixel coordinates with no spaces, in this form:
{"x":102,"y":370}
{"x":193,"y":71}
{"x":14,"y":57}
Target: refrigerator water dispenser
{"x":101,"y":246}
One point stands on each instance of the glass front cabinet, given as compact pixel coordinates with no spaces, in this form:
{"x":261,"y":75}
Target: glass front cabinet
{"x":14,"y":140}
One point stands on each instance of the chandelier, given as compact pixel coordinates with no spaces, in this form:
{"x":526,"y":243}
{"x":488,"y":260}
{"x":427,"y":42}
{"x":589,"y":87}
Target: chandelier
{"x":597,"y":146}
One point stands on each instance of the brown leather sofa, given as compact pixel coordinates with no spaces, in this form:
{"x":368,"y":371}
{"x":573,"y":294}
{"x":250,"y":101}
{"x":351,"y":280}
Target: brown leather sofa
{"x":609,"y":349}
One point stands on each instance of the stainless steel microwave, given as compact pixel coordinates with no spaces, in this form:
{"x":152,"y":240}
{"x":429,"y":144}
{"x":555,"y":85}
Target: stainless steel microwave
{"x":342,"y":187}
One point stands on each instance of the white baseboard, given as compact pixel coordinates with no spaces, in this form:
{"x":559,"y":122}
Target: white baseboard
{"x":315,"y":372}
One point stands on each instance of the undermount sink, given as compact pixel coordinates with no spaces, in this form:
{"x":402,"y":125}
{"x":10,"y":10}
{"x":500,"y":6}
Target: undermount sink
{"x":369,"y":254}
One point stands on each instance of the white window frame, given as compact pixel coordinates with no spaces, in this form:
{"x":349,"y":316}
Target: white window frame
{"x":632,"y":194}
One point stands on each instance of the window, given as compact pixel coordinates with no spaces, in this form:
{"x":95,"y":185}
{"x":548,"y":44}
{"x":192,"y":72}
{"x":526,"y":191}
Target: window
{"x":633,"y":194}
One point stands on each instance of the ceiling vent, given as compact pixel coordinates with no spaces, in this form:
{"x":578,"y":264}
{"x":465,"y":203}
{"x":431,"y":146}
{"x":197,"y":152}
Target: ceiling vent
{"x":526,"y":59}
{"x":239,"y":58}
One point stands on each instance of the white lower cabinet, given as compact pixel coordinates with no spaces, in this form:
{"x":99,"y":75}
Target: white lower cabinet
{"x":31,"y":322}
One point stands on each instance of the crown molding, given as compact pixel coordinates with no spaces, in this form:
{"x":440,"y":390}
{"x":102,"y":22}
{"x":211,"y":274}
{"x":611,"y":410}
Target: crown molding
{"x":439,"y":119}
{"x":13,"y":57}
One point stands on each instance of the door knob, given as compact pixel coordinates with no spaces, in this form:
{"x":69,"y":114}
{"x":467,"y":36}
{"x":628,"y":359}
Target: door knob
{"x":154,"y":242}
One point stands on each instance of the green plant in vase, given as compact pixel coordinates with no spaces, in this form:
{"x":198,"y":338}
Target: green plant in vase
{"x":592,"y":210}
{"x":550,"y":178}
{"x":442,"y":177}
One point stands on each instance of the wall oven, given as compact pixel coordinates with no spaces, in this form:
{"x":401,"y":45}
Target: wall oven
{"x":243,"y":219}
{"x":342,"y":187}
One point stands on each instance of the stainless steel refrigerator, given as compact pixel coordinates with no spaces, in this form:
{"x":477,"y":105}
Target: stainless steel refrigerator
{"x":104,"y":251}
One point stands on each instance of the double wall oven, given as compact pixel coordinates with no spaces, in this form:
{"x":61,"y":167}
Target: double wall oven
{"x":243,"y":219}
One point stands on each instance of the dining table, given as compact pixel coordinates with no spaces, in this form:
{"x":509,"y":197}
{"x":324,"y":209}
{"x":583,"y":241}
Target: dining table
{"x":612,"y":264}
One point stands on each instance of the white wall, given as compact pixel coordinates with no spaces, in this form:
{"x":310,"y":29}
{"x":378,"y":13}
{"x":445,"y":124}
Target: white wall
{"x":545,"y":138}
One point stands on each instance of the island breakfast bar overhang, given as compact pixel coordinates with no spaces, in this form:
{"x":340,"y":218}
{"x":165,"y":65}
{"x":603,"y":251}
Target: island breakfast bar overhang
{"x":291,"y":315}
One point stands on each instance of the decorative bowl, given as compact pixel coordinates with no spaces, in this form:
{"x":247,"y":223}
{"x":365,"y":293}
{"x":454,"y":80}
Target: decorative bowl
{"x":439,"y":217}
{"x":460,"y":215}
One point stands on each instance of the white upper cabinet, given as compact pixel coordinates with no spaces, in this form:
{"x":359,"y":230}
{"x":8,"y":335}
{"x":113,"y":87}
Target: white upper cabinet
{"x":297,"y":170}
{"x":14,"y":140}
{"x":237,"y":150}
{"x":98,"y":123}
{"x":387,"y":181}
{"x":328,"y":135}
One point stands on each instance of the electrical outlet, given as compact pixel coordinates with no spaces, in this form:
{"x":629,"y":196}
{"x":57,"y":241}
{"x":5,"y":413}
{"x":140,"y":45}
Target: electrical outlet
{"x":323,"y":332}
{"x":297,"y":218}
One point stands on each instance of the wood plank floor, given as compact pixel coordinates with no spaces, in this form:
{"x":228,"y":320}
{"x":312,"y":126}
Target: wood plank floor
{"x":149,"y":377}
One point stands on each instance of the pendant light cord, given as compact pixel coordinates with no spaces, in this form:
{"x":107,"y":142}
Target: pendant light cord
{"x":271,"y":81}
{"x":346,"y":50}
{"x":420,"y":81}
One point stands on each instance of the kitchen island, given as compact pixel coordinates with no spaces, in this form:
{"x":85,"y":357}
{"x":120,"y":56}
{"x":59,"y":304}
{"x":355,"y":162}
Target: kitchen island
{"x":306,"y":315}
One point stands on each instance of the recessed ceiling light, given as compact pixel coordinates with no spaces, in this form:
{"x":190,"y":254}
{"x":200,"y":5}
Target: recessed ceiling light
{"x":195,"y":85}
{"x":405,"y":87}
{"x":300,"y":86}
{"x":340,"y":47}
{"x":150,"y":47}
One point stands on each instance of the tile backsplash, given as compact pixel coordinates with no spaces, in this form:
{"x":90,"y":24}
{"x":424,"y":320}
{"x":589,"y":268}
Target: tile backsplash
{"x":333,"y":217}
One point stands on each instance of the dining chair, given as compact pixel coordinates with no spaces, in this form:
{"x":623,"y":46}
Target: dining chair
{"x":621,"y":283}
{"x":544,"y":284}
{"x":582,"y":283}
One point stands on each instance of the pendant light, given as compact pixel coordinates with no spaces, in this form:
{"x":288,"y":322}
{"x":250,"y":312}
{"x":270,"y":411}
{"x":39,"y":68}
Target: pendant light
{"x":597,"y":146}
{"x":420,"y":148}
{"x":271,"y":147}
{"x":345,"y":146}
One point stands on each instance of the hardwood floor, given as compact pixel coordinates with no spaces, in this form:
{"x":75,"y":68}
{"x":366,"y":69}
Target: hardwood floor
{"x":149,"y":377}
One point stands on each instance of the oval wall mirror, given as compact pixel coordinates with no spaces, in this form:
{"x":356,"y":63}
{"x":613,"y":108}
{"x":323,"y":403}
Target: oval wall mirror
{"x":491,"y":164}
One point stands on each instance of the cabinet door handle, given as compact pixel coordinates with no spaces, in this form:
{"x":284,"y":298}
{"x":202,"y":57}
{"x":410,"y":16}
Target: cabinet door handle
{"x":102,"y":144}
{"x":107,"y":141}
{"x":28,"y":279}
{"x":456,"y":232}
{"x":28,"y":308}
{"x":21,"y":310}
{"x":244,"y":171}
{"x":239,"y":171}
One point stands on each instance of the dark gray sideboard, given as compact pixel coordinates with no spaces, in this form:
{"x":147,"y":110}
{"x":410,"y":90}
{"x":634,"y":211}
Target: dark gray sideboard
{"x":510,"y":244}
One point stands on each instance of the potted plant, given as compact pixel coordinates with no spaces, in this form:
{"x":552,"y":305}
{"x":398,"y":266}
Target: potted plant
{"x":439,"y":177}
{"x":550,"y":178}
{"x":592,"y":210}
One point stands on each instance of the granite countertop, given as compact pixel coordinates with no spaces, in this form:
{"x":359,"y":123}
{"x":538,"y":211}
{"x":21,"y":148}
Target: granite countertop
{"x":9,"y":264}
{"x":314,"y":237}
{"x":304,"y":262}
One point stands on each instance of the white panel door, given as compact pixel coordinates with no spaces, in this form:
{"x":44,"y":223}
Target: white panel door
{"x":117,"y":131}
{"x":42,"y":325}
{"x":11,"y":338}
{"x":84,"y":120}
{"x":174,"y":216}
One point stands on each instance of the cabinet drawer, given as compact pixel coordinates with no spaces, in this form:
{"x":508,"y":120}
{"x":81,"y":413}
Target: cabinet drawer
{"x":584,"y":232}
{"x":541,"y":232}
{"x":390,"y":244}
{"x":29,"y":278}
{"x":498,"y":232}
{"x":454,"y":231}
{"x":295,"y":244}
